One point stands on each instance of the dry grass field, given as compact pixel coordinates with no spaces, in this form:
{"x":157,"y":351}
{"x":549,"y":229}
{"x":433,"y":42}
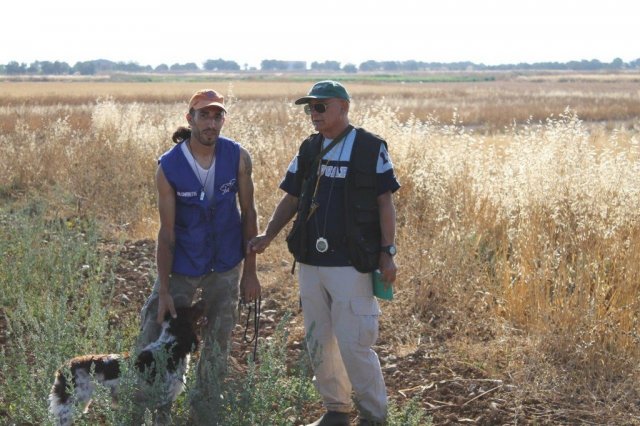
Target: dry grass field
{"x":518,"y":221}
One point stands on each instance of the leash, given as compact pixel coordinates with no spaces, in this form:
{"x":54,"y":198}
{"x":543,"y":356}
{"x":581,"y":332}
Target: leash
{"x":256,"y":325}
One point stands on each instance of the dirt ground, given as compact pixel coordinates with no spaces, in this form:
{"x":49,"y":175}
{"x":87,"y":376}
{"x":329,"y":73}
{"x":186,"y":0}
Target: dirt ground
{"x":451,"y":390}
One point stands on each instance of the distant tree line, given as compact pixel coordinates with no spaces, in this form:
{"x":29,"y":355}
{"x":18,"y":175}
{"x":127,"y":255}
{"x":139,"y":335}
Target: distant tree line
{"x":103,"y":66}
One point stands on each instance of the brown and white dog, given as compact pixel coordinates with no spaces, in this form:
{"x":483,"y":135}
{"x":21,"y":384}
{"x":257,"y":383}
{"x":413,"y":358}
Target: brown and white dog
{"x":179,"y":338}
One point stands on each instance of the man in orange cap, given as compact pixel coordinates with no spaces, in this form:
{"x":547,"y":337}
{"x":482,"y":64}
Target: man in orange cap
{"x":201,"y":241}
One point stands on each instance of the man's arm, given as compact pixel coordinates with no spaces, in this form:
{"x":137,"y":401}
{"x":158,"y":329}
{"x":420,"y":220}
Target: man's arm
{"x":387,"y":211}
{"x":166,"y":243}
{"x":249,"y":284}
{"x":285,"y":210}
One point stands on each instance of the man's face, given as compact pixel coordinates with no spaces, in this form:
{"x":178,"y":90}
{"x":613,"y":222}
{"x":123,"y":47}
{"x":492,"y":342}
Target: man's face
{"x":333,"y":116}
{"x":206,"y":124}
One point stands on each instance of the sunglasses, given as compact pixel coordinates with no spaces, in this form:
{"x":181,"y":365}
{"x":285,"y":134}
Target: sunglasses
{"x":320,"y":108}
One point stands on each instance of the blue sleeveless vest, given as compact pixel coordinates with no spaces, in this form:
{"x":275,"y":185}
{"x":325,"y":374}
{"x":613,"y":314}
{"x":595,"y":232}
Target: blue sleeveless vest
{"x":208,"y":232}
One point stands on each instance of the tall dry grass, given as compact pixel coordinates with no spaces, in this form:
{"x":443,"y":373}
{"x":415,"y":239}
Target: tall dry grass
{"x":488,"y":107}
{"x":101,"y":163}
{"x":521,"y":246}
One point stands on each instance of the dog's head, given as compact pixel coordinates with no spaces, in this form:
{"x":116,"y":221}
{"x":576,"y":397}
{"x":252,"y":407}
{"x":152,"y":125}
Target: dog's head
{"x":187,"y":322}
{"x":181,"y":334}
{"x":191,"y":314}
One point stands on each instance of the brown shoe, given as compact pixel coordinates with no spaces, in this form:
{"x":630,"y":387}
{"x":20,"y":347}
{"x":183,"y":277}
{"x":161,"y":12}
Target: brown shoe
{"x":332,"y":418}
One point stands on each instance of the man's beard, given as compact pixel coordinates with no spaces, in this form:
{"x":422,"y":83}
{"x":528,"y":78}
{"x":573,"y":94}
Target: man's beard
{"x":205,"y":137}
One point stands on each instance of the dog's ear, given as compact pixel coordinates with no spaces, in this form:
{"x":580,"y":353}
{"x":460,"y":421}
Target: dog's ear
{"x":144,"y":361}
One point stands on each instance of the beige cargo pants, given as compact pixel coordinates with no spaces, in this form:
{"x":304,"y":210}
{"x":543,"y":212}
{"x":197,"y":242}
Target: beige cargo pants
{"x":341,"y":324}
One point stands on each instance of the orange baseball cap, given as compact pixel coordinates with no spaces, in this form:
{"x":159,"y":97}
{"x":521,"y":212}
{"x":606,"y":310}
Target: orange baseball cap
{"x":205,"y":98}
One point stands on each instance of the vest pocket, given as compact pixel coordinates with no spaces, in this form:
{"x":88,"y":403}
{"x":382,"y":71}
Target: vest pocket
{"x":294,"y":239}
{"x":367,"y":216}
{"x":362,"y":179}
{"x":363,"y":253}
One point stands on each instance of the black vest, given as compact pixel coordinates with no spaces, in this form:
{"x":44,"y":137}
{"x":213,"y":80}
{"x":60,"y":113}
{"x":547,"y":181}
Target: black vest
{"x":361,"y":200}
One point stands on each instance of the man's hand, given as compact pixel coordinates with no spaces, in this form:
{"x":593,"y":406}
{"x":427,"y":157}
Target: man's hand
{"x":258,"y":244}
{"x":250,"y":288}
{"x":165,"y":304}
{"x":388,"y":268}
{"x":283,"y":213}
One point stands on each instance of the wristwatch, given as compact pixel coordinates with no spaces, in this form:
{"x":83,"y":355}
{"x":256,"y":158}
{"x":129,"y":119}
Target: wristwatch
{"x":390,"y":250}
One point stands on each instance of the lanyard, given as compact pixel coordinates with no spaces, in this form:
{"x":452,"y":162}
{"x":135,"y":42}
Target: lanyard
{"x":318,"y":159}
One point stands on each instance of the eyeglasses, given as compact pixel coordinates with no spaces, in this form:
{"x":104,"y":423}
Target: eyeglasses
{"x":320,"y":108}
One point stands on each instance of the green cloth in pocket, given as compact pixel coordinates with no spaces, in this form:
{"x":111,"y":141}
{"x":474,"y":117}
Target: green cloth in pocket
{"x":379,"y":289}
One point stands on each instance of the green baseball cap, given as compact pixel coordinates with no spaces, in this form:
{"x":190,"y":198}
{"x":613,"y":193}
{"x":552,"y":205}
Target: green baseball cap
{"x":325,"y":90}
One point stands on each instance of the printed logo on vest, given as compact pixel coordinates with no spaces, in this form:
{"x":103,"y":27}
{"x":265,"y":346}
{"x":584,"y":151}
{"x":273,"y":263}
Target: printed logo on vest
{"x":334,"y":171}
{"x":229,"y":186}
{"x":187,"y":194}
{"x":384,"y":157}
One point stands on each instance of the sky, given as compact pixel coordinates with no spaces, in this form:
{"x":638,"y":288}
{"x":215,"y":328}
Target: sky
{"x":490,"y":32}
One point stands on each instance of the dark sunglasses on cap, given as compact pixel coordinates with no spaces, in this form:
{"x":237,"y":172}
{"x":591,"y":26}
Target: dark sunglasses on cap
{"x":320,"y":108}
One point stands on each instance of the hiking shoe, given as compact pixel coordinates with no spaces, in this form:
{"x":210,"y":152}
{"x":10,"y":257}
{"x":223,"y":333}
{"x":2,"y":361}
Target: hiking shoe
{"x":332,"y":418}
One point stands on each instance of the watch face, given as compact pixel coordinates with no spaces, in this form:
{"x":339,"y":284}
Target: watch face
{"x":392,"y":250}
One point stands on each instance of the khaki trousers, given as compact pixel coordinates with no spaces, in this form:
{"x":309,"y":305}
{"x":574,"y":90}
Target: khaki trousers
{"x":341,"y":324}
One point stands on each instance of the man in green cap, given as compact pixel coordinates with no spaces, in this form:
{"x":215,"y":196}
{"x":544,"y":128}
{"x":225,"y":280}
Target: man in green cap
{"x":339,"y":188}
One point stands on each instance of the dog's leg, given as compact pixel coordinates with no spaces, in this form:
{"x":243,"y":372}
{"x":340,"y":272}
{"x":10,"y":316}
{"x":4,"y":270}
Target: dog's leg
{"x":61,"y":401}
{"x":64,"y":416}
{"x":84,"y":389}
{"x":61,"y":411}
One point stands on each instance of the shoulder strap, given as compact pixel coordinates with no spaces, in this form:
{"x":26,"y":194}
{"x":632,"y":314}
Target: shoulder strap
{"x":365,"y":151}
{"x":306,"y":160}
{"x":333,"y":143}
{"x":306,"y":153}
